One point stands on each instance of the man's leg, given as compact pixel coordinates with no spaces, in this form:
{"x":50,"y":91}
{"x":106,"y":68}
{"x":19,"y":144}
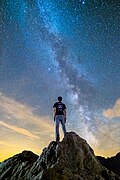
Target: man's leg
{"x":57,"y":122}
{"x":63,"y":124}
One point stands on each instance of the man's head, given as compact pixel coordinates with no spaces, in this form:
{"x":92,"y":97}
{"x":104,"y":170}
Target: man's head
{"x":59,"y":98}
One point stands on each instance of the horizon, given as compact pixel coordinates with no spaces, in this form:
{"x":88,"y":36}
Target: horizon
{"x":39,"y":153}
{"x":55,"y":48}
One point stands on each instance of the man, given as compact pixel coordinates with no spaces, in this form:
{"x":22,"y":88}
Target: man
{"x":59,"y":111}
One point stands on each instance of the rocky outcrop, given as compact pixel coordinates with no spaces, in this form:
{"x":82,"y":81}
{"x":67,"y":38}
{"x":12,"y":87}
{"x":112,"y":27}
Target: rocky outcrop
{"x":71,"y":159}
{"x":17,"y":166}
{"x":112,"y":163}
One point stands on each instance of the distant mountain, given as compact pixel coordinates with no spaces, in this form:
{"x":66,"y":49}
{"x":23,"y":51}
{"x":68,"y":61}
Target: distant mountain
{"x":71,"y":159}
{"x":112,"y":163}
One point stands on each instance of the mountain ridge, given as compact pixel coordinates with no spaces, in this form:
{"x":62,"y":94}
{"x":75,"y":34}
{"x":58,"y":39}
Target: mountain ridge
{"x":111,"y":163}
{"x":70,"y":159}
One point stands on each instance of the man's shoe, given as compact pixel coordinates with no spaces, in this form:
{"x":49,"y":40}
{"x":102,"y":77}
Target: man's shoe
{"x":57,"y":138}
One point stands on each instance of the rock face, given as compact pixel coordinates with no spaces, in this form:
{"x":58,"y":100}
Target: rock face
{"x":17,"y":166}
{"x":71,"y":159}
{"x":112,"y":163}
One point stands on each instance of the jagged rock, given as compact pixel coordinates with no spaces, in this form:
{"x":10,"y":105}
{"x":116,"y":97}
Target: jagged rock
{"x":71,"y":159}
{"x":17,"y":166}
{"x":112,"y":163}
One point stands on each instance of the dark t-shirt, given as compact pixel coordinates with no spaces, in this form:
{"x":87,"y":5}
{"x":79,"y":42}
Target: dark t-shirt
{"x":59,"y":108}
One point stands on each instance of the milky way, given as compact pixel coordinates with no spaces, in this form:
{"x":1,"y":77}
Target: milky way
{"x":69,"y":48}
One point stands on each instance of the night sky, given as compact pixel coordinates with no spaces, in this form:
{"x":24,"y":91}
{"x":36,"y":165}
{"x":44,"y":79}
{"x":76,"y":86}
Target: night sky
{"x":69,"y":48}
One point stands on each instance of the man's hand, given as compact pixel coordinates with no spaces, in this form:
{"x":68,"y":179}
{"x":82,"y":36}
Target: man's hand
{"x":65,"y":119}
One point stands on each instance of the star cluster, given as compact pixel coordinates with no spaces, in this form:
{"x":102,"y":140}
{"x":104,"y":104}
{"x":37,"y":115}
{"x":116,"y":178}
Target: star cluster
{"x":69,"y":48}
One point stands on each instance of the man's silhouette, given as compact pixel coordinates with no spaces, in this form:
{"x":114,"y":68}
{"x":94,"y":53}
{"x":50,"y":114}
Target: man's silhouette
{"x":59,"y":110}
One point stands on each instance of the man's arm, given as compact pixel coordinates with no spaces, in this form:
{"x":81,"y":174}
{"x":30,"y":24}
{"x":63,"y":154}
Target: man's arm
{"x":65,"y":114}
{"x":54,"y":111}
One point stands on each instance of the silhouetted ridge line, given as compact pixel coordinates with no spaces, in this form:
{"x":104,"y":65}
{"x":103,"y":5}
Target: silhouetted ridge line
{"x":70,"y":159}
{"x":112,"y":163}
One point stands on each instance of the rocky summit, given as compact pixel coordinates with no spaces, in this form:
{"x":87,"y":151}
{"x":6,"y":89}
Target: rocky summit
{"x":70,"y":159}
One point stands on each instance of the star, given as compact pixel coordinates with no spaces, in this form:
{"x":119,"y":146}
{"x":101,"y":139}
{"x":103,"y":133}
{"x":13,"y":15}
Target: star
{"x":67,"y":48}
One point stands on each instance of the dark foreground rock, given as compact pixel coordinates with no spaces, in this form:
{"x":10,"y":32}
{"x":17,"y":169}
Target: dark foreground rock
{"x":112,"y":163}
{"x":71,"y":159}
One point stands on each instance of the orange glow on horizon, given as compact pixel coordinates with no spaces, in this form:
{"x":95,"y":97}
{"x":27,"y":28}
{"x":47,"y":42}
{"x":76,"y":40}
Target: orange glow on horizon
{"x":21,"y":130}
{"x":6,"y":153}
